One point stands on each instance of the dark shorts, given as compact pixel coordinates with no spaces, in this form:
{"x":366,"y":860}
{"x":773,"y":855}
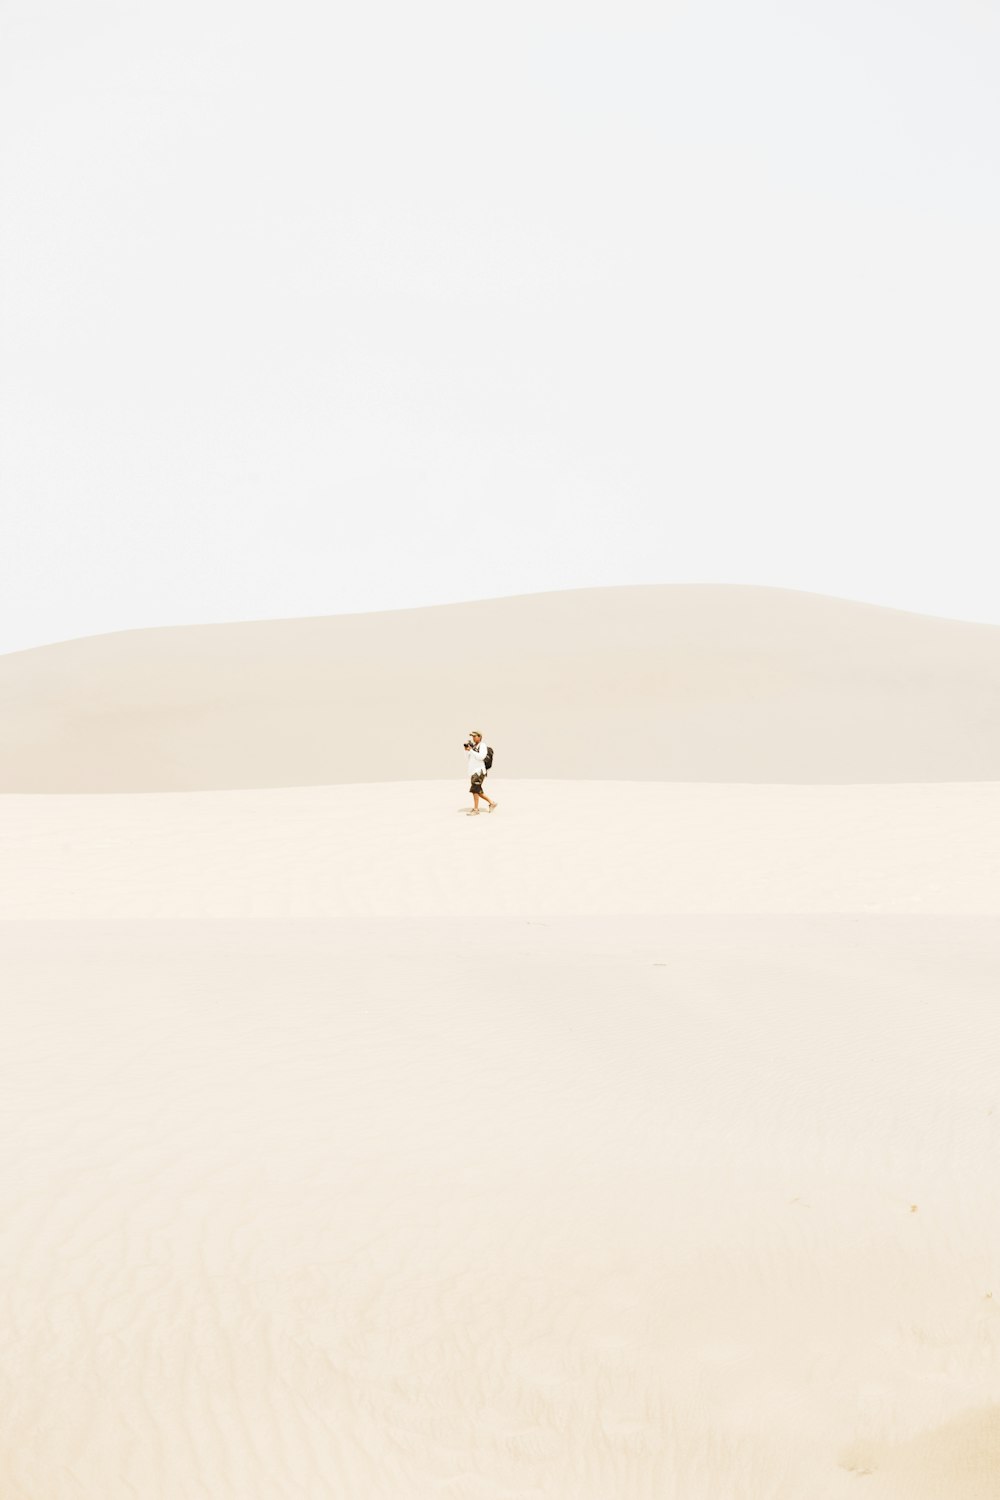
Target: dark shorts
{"x":476,"y":785}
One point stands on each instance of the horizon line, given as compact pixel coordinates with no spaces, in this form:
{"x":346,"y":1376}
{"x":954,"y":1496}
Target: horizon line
{"x":501,"y":599}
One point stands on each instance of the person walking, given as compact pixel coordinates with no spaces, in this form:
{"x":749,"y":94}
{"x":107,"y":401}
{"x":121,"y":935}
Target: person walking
{"x":479,"y":755}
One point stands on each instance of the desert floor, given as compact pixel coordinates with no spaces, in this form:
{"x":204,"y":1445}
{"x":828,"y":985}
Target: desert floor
{"x":637,"y":1141}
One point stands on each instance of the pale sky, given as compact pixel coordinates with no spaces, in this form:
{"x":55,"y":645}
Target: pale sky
{"x":319,"y":307}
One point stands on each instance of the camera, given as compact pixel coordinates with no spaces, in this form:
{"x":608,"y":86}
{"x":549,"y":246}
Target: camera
{"x":467,"y":745}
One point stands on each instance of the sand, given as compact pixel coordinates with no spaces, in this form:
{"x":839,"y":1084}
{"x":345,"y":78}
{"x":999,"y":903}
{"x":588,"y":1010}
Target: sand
{"x":672,"y":683}
{"x":552,"y":848}
{"x":646,"y":1146}
{"x":633,"y":1207}
{"x":638,"y":1141}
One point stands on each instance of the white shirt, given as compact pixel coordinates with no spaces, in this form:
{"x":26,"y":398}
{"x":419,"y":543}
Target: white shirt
{"x":476,"y":757}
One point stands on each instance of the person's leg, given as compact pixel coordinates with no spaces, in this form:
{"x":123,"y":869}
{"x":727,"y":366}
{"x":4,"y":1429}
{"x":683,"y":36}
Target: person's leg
{"x":478,"y":790}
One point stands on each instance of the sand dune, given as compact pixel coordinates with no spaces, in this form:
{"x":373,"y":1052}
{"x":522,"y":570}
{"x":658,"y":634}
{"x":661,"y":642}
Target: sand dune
{"x":637,"y":1141}
{"x":661,"y":683}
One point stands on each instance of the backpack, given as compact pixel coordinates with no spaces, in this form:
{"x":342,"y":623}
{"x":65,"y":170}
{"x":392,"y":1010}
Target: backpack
{"x":488,"y":758}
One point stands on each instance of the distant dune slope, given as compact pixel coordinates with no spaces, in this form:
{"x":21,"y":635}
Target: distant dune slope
{"x":688,"y":683}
